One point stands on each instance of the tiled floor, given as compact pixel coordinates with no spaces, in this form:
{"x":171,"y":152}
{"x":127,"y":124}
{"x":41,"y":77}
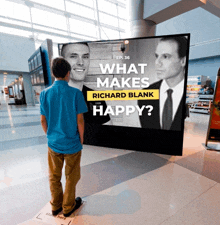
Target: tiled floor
{"x":119,"y":186}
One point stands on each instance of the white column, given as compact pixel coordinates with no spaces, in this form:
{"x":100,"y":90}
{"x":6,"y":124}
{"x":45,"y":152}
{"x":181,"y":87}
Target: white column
{"x":138,"y":27}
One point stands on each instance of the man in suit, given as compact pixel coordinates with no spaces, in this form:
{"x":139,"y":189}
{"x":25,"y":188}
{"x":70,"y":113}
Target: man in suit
{"x":170,"y":69}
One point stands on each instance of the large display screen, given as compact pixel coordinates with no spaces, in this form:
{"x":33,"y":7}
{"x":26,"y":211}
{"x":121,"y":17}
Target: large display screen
{"x":135,"y":90}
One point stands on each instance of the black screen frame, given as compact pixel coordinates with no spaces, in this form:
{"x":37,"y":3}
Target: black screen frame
{"x":139,"y":139}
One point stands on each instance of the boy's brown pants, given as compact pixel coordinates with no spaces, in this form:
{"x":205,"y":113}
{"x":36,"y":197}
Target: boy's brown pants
{"x":72,"y":173}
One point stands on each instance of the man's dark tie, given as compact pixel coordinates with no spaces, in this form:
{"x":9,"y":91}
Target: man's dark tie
{"x":167,"y":111}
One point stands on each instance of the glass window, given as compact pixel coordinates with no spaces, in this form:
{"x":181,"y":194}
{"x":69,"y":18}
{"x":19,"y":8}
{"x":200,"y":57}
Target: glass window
{"x":58,"y":4}
{"x":46,"y":20}
{"x":31,"y":79}
{"x":81,"y":37}
{"x":29,"y":64}
{"x":56,"y":39}
{"x":49,"y":29}
{"x":36,"y":62}
{"x":15,"y":22}
{"x":122,"y":1}
{"x":41,"y":77}
{"x":123,"y":35}
{"x":109,"y":34}
{"x":123,"y":24}
{"x":32,"y":64}
{"x":14,"y":31}
{"x":15,"y":10}
{"x":80,"y":10}
{"x":38,"y":78}
{"x":122,"y":12}
{"x":34,"y":80}
{"x":84,"y":2}
{"x":49,"y":19}
{"x":107,"y":19}
{"x":39,"y":59}
{"x":107,"y":7}
{"x":81,"y":27}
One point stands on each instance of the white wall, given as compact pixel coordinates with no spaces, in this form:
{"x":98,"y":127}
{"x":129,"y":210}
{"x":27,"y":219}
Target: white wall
{"x":203,"y":28}
{"x":15,"y":52}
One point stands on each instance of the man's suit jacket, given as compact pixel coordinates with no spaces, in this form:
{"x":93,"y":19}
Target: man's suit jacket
{"x":88,"y":116}
{"x":153,"y":121}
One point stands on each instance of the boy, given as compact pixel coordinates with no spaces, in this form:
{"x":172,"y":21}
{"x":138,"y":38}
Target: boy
{"x":62,"y":109}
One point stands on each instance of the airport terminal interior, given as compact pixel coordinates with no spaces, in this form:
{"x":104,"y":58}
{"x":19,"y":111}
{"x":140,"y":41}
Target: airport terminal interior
{"x":117,"y":186}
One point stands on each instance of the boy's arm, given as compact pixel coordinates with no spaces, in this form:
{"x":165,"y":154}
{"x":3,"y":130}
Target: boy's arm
{"x":80,"y":124}
{"x":43,"y":123}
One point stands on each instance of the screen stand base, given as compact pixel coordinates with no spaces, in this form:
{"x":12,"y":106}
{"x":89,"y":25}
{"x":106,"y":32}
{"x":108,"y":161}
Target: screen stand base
{"x":212,"y":146}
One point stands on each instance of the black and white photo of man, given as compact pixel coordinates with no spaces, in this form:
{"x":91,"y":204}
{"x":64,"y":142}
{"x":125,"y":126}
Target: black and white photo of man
{"x":170,"y":62}
{"x":78,"y":55}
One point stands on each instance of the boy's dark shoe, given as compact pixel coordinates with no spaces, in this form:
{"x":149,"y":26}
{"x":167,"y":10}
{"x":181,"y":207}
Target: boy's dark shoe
{"x":78,"y":204}
{"x":56,"y":212}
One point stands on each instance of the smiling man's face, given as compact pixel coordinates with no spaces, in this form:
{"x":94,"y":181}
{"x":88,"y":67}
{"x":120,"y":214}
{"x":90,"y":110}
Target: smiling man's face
{"x":78,"y":57}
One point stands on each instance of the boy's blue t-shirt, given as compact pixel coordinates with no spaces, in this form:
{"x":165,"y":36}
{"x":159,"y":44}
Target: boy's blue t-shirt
{"x":60,"y":104}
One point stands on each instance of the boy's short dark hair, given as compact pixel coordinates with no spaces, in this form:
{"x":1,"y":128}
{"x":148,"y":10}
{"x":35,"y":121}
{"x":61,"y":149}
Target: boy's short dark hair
{"x":60,"y":67}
